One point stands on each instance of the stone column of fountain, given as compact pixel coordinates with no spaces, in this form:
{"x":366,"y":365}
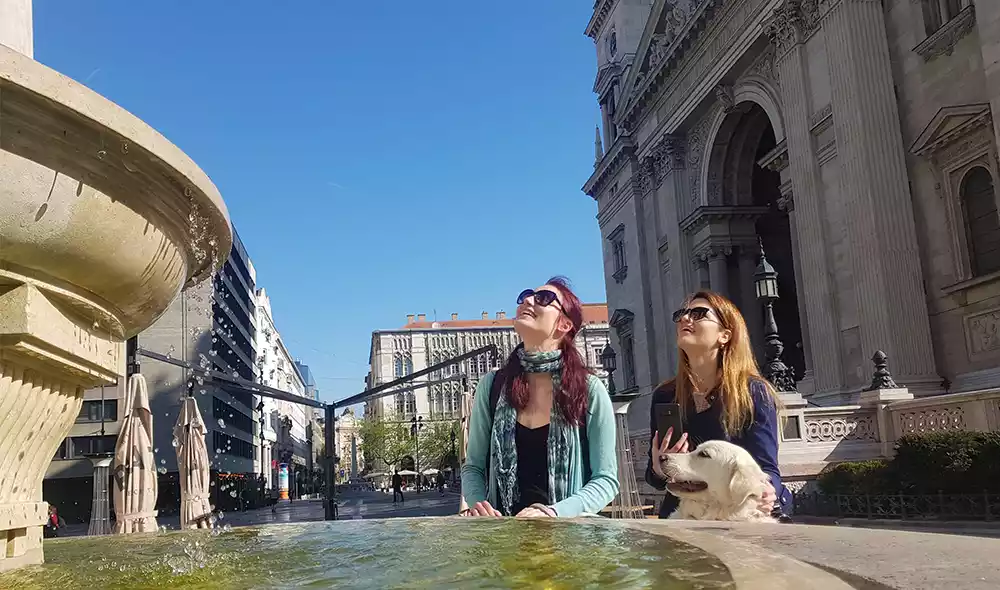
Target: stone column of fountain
{"x":102,"y":223}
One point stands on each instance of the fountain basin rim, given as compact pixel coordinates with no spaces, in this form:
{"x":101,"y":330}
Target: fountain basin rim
{"x":22,"y":71}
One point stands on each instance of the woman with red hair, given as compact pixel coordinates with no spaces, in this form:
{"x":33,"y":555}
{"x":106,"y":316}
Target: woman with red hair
{"x":542,"y":441}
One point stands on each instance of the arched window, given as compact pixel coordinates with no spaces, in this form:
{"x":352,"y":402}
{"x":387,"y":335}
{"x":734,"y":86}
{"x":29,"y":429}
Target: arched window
{"x":981,"y":221}
{"x":398,"y":365}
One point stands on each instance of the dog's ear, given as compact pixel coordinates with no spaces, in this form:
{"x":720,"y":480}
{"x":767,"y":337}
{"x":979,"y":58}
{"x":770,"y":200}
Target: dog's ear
{"x":744,"y":483}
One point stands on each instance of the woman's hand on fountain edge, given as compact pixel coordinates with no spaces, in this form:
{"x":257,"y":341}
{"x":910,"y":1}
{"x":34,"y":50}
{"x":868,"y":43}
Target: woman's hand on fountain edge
{"x":482,"y":509}
{"x":536,"y":511}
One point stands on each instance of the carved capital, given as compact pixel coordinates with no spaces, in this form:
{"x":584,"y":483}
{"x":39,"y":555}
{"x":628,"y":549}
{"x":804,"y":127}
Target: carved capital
{"x":793,"y":22}
{"x":724,"y":94}
{"x":786,"y":202}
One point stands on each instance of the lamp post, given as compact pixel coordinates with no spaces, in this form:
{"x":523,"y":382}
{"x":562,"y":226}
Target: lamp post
{"x":766,"y":286}
{"x":260,"y":420}
{"x":454,"y":454}
{"x":416,"y":425}
{"x":610,"y":363}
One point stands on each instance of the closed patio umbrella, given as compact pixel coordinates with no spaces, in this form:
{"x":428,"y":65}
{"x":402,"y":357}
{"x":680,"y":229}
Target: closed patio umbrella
{"x":194,"y":467}
{"x":135,"y":470}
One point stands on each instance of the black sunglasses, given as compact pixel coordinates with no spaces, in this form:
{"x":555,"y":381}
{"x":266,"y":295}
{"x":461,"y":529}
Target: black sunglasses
{"x":543,"y":297}
{"x":695,"y":313}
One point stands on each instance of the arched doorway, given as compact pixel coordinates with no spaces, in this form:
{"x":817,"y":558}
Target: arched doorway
{"x":737,"y":179}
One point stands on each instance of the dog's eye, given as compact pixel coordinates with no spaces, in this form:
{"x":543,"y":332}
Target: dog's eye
{"x":704,"y":455}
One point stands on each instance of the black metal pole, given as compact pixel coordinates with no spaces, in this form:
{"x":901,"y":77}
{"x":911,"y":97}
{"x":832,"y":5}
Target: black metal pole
{"x":330,"y":504}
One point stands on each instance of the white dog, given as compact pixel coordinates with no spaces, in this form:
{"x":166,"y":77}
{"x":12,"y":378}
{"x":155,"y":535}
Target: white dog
{"x":716,"y":481}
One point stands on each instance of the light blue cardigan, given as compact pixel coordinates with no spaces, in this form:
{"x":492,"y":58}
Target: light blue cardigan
{"x":584,"y":497}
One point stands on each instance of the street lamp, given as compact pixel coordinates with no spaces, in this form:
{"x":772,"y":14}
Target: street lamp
{"x":610,"y":363}
{"x":416,"y":425}
{"x":766,"y":286}
{"x":260,"y":420}
{"x":454,"y":454}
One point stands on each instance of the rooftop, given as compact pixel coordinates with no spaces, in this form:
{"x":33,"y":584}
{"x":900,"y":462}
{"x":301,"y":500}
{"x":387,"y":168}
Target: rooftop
{"x":593,"y":313}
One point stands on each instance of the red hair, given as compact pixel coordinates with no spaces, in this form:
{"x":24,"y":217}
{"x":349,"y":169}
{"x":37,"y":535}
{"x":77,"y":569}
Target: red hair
{"x":572,"y":399}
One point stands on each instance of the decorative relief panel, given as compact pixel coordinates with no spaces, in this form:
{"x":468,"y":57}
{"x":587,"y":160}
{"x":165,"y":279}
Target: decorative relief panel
{"x":837,"y":429}
{"x":943,"y":40}
{"x":932,"y":420}
{"x":982,"y":333}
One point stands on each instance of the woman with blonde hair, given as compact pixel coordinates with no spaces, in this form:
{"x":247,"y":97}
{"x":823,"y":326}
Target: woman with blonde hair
{"x":720,"y":393}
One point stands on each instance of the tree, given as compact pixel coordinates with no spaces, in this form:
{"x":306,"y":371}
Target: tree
{"x":384,"y":441}
{"x":435,"y":444}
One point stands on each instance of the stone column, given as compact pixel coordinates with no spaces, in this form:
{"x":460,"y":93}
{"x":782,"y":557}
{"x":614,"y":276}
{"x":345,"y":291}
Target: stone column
{"x":888,"y":280}
{"x":718,"y":273}
{"x":988,"y":23}
{"x":676,"y":283}
{"x":818,"y":297}
{"x":751,"y":307}
{"x":808,"y":383}
{"x":16,"y":29}
{"x":701,"y":271}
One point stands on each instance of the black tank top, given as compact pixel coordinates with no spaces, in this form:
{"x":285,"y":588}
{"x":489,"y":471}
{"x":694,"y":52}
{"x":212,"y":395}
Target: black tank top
{"x":532,"y":466}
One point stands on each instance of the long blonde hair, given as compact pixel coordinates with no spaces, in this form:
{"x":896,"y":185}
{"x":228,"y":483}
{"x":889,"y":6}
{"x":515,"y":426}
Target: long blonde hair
{"x":737,"y":368}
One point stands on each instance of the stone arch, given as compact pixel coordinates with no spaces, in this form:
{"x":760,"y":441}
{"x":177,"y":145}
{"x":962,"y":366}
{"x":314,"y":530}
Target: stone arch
{"x":747,"y":93}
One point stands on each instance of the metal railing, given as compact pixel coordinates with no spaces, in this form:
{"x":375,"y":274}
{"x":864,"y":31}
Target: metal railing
{"x":941,"y":506}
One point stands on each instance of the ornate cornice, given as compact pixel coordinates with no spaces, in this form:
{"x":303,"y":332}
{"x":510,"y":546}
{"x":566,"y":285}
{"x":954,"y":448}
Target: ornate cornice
{"x":614,"y":159}
{"x":601,"y":11}
{"x":606,"y":75}
{"x":949,"y":125}
{"x":678,"y":25}
{"x":943,"y":40}
{"x":702,"y":216}
{"x":776,"y":159}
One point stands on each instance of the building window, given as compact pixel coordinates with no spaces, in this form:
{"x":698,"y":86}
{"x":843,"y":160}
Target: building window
{"x":400,"y":399}
{"x":617,"y":241}
{"x":232,"y":417}
{"x":90,"y":411}
{"x":612,"y":44}
{"x":938,"y":13}
{"x":81,"y":446}
{"x":595,"y":358}
{"x":981,"y":221}
{"x":623,"y":320}
{"x":230,"y":445}
{"x":398,"y":366}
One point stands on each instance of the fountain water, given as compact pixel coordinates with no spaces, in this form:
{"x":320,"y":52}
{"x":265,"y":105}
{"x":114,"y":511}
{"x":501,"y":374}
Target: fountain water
{"x":102,"y":223}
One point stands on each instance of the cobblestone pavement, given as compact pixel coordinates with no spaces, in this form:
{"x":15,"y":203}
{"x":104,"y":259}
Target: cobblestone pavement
{"x":352,"y":505}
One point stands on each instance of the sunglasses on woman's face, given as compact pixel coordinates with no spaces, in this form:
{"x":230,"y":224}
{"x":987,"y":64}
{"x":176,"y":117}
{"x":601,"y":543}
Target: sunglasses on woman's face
{"x":543,"y":298}
{"x":695,"y":313}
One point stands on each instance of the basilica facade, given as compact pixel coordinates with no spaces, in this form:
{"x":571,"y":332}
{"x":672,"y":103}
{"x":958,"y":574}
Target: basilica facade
{"x":854,"y":141}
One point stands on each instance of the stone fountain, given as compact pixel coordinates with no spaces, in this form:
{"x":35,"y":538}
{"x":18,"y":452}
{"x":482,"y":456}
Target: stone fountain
{"x":102,"y":223}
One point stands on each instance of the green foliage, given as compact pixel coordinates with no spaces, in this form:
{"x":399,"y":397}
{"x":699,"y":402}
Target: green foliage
{"x":385,"y":441}
{"x":949,"y":462}
{"x":435,"y":444}
{"x":855,"y":477}
{"x":945,"y":462}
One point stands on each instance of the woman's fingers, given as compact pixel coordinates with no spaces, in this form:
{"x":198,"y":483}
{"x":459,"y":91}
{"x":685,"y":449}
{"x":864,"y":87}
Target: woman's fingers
{"x":665,"y":443}
{"x":681,"y":446}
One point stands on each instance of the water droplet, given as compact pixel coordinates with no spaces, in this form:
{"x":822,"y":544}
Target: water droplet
{"x":162,"y":470}
{"x":175,"y":443}
{"x":96,"y":324}
{"x":163,"y":461}
{"x":212,"y":352}
{"x":222,"y":423}
{"x":156,"y":450}
{"x":232,"y":494}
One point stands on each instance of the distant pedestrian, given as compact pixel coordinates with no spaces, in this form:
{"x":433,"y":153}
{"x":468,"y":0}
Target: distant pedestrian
{"x":440,"y":482}
{"x":397,"y":487}
{"x":53,"y":523}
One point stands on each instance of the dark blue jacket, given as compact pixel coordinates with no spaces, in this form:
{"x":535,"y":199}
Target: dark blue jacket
{"x":760,"y":438}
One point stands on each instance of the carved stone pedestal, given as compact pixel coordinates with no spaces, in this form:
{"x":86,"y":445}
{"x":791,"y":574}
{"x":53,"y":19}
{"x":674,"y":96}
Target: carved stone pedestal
{"x":48,"y":356}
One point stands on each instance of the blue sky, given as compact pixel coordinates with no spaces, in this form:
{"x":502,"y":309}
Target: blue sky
{"x":377,"y":158}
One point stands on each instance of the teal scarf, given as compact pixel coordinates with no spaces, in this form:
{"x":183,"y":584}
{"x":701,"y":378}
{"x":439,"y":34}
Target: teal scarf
{"x":504,"y":447}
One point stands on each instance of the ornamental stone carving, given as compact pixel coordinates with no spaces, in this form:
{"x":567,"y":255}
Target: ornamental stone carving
{"x":932,"y":420}
{"x":943,"y":40}
{"x":839,"y":429}
{"x":794,"y":21}
{"x":763,"y":66}
{"x":983,"y":333}
{"x":724,"y":94}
